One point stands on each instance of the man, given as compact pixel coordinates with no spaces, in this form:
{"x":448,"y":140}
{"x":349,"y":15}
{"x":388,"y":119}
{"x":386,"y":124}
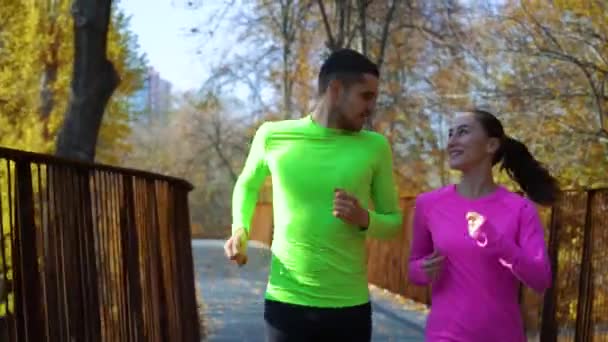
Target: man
{"x":324,"y":168}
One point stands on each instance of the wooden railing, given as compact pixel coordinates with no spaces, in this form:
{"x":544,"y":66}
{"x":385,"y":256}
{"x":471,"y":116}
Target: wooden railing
{"x":93,"y":253}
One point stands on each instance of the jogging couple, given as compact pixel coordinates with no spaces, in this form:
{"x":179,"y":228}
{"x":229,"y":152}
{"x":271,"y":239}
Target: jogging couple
{"x":333,"y":187}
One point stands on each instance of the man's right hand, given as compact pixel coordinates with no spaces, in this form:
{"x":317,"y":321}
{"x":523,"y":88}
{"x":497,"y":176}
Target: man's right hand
{"x":236,"y":247}
{"x":431,"y":265}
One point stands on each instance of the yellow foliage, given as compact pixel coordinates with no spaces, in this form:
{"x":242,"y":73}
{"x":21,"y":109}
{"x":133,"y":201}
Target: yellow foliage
{"x":37,"y":56}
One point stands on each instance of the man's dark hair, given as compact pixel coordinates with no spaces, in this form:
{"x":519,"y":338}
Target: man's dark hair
{"x":347,"y":66}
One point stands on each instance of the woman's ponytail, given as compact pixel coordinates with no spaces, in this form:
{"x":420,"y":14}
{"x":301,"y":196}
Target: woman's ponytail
{"x":529,"y":173}
{"x":519,"y":163}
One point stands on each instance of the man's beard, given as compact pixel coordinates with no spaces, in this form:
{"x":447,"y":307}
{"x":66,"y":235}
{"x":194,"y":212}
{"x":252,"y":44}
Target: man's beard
{"x":345,"y":123}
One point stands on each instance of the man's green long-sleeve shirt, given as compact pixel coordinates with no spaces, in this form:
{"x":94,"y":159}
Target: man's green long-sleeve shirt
{"x":317,"y":259}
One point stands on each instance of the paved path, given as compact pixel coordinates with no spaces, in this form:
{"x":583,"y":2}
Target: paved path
{"x":234,"y":299}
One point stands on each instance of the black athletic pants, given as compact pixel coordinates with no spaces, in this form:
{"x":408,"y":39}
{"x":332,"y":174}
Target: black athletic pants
{"x":288,"y":322}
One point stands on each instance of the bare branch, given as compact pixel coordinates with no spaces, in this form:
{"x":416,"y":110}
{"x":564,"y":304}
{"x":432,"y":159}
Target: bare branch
{"x":331,"y":43}
{"x":385,"y":32}
{"x":362,"y":8}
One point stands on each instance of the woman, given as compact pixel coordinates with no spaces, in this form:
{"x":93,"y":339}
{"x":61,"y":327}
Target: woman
{"x":475,"y":241}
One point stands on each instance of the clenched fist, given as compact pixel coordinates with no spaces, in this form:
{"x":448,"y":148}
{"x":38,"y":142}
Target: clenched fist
{"x":348,"y":209}
{"x":432,"y":264}
{"x":236,"y":247}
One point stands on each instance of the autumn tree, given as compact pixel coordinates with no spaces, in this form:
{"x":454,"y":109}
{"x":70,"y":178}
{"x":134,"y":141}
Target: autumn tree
{"x":548,"y":66}
{"x":20,"y":126}
{"x":38,"y":50}
{"x":276,"y":61}
{"x":540,"y":69}
{"x":121,"y":112}
{"x":204,"y":142}
{"x":94,"y":79}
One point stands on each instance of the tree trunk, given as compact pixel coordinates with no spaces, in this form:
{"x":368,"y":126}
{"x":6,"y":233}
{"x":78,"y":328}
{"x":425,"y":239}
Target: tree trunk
{"x":94,"y":79}
{"x":288,"y":35}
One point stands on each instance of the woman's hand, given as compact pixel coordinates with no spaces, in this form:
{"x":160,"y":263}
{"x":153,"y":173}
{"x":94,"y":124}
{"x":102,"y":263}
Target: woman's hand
{"x":432,"y":265}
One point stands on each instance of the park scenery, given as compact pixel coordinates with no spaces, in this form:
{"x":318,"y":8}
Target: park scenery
{"x":125,"y":124}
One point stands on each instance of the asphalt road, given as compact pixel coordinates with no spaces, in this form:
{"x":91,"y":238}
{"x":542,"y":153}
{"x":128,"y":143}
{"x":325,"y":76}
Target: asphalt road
{"x":234,"y":299}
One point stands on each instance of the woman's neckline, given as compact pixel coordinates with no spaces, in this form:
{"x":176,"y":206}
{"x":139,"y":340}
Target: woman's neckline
{"x":496,"y":193}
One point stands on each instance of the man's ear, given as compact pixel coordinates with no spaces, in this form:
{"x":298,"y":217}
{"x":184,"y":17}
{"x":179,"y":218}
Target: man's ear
{"x":335,"y":89}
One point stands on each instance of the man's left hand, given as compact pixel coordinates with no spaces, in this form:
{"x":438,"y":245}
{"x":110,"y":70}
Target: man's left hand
{"x":348,"y":209}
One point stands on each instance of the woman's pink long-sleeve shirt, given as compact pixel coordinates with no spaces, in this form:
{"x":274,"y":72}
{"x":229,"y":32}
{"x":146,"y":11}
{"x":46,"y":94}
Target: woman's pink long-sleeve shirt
{"x":475,"y":296}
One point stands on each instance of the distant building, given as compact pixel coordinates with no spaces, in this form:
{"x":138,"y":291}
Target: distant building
{"x":153,"y":100}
